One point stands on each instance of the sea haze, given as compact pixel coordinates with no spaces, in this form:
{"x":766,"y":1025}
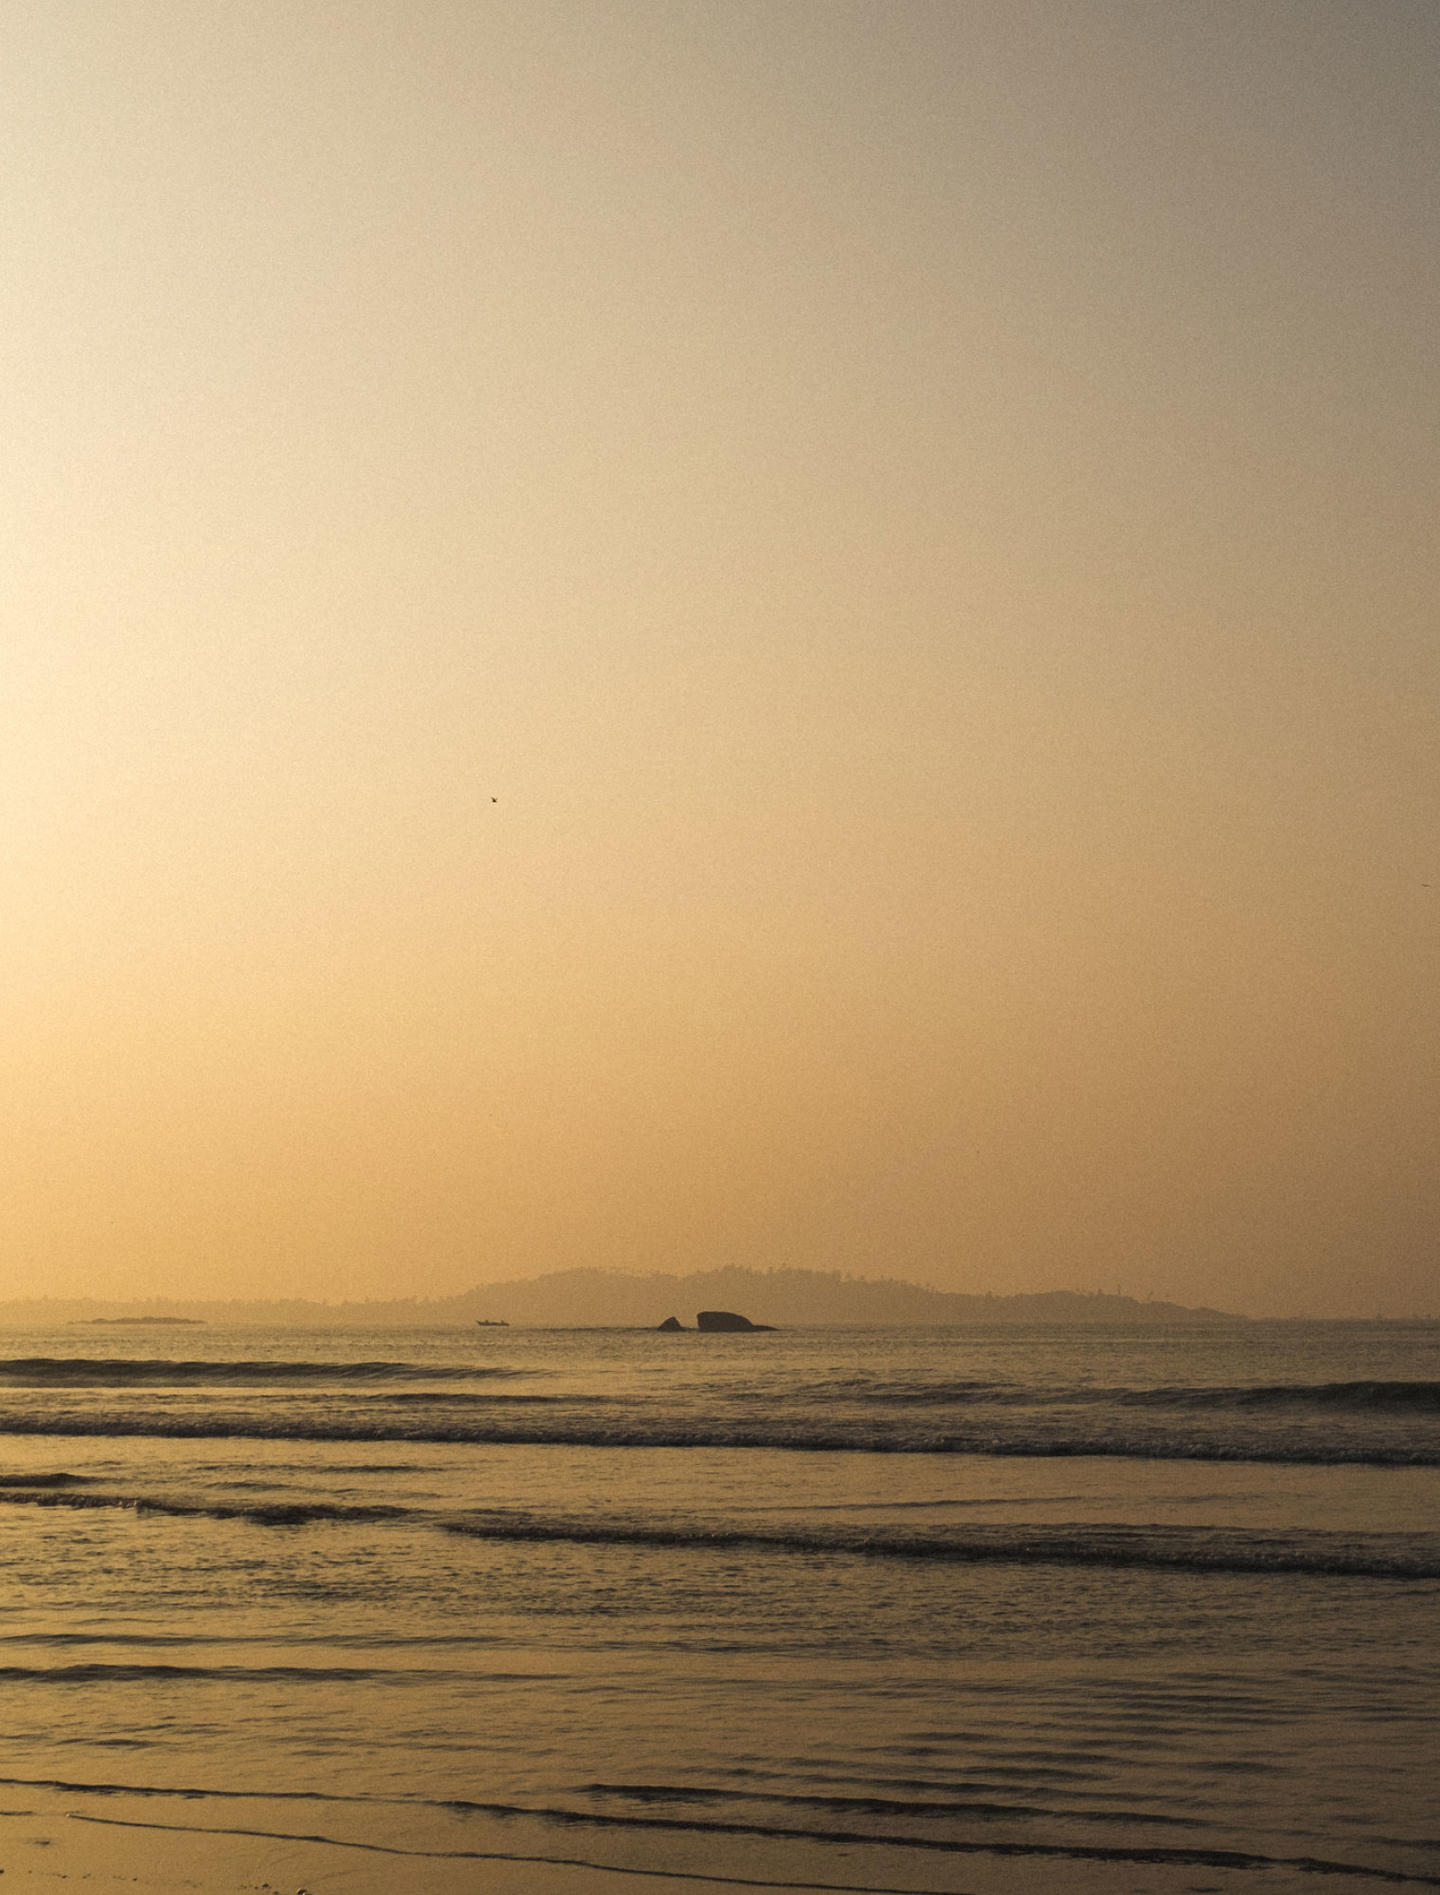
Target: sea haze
{"x":982,"y":1609}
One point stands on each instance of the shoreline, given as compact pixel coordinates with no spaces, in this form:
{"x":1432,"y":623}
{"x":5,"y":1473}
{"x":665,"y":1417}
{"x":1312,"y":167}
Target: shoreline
{"x":158,"y":1843}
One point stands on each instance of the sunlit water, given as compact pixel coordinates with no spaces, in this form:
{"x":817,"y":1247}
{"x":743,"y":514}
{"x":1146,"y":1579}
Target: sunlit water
{"x":875,"y":1609}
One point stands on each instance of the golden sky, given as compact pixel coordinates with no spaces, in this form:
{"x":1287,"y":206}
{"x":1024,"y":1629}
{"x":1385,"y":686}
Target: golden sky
{"x":660,"y":633}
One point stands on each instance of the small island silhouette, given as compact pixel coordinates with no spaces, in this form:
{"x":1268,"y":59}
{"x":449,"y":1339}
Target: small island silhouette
{"x":716,"y":1322}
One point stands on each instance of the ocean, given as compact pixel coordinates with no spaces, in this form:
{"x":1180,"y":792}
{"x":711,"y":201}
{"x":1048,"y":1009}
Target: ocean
{"x":964,"y":1610}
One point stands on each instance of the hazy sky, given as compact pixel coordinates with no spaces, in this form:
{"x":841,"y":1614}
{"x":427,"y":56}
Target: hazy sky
{"x":661,"y":633}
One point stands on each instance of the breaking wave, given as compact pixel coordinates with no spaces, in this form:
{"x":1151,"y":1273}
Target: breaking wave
{"x":44,"y":1371}
{"x":1363,"y":1397}
{"x":1206,"y":1549}
{"x":602,"y":1423}
{"x":1333,"y":1555}
{"x":1372,"y":1397}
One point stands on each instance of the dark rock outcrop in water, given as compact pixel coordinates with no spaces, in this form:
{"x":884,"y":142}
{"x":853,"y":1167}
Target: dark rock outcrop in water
{"x":671,"y":1323}
{"x":712,"y":1320}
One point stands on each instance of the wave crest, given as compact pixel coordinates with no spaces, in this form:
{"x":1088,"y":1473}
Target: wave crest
{"x":44,"y":1371}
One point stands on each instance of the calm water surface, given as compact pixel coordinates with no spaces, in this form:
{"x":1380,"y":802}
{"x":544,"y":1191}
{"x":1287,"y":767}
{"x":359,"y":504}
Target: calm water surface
{"x":912,"y":1610}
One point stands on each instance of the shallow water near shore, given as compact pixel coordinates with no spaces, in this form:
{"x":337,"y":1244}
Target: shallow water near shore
{"x":904,"y":1610}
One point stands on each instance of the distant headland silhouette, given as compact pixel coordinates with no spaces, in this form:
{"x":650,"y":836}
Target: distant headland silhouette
{"x":595,"y":1298}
